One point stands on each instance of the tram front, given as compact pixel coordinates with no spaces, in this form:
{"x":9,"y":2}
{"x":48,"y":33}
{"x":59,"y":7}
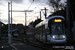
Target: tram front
{"x":57,"y":30}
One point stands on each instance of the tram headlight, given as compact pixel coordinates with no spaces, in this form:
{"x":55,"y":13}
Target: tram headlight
{"x":53,"y":36}
{"x":63,"y":36}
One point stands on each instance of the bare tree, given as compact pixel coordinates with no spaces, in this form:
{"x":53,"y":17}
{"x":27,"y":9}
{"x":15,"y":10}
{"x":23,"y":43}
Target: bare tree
{"x":56,"y":4}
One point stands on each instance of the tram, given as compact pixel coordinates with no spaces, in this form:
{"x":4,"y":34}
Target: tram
{"x":51,"y":30}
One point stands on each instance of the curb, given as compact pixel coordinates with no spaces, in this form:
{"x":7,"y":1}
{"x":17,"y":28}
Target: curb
{"x":13,"y":47}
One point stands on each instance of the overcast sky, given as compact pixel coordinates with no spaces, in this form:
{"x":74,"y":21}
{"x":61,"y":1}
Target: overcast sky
{"x":18,"y":17}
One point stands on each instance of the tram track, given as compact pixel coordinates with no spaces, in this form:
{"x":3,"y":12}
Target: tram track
{"x":42,"y":46}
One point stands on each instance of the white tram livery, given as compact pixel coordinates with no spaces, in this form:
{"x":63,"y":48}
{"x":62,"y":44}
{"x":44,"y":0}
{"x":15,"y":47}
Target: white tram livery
{"x":51,"y":30}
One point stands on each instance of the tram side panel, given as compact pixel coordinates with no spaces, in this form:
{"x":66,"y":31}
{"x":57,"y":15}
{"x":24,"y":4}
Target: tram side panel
{"x":36,"y":33}
{"x":56,"y":36}
{"x":40,"y":33}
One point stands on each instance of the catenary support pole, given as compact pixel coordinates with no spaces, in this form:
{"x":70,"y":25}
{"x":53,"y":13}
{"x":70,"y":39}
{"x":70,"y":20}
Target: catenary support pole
{"x":9,"y":35}
{"x":40,"y":14}
{"x":25,"y":28}
{"x":11,"y":20}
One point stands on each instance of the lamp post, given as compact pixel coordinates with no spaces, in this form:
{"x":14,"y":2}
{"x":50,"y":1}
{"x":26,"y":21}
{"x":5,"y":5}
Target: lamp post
{"x":0,"y":25}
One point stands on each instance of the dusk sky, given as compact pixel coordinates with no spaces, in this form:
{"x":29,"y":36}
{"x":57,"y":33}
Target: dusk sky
{"x":18,"y":17}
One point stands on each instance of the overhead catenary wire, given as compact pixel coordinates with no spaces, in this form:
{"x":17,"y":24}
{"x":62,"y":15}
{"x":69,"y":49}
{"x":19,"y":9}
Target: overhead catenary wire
{"x":40,"y":8}
{"x":37,"y":6}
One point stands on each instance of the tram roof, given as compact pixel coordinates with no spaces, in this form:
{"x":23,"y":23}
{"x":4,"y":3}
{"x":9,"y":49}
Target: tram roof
{"x":47,"y":19}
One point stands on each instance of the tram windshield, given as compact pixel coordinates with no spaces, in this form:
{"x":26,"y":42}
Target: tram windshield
{"x":57,"y":28}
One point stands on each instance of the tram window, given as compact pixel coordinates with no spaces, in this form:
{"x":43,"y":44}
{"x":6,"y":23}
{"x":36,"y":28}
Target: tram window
{"x":44,"y":31}
{"x":53,"y":28}
{"x":40,"y":30}
{"x":57,"y":28}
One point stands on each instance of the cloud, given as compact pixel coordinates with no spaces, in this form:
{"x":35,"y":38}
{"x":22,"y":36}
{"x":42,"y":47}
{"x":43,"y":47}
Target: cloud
{"x":0,"y":12}
{"x":35,"y":1}
{"x":39,"y":2}
{"x":1,"y":3}
{"x":4,"y":20}
{"x":14,"y":1}
{"x":12,"y":19}
{"x":17,"y":1}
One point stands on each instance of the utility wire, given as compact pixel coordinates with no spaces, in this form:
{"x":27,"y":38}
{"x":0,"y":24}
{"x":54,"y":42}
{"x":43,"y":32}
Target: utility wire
{"x":39,"y":4}
{"x":31,"y":4}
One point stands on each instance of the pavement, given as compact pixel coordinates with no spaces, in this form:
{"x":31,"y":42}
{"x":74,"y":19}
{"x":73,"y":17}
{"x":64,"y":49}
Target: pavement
{"x":5,"y":46}
{"x":21,"y":46}
{"x":33,"y":40}
{"x":16,"y":45}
